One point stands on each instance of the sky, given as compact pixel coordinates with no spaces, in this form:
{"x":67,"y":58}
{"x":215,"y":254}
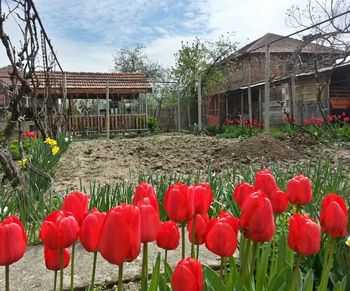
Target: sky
{"x":86,"y":33}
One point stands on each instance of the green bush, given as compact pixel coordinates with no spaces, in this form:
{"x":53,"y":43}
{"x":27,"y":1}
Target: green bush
{"x":239,"y":131}
{"x":153,"y":124}
{"x":14,"y":148}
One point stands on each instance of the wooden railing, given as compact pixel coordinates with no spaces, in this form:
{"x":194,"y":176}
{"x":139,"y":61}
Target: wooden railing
{"x":97,"y":123}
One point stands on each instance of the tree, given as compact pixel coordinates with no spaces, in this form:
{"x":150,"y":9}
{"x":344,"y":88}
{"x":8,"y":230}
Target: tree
{"x":23,"y":54}
{"x":134,"y":59}
{"x":329,"y":34}
{"x":203,"y":57}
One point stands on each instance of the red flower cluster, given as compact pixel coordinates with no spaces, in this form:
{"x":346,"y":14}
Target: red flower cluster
{"x":30,"y":134}
{"x":313,"y":121}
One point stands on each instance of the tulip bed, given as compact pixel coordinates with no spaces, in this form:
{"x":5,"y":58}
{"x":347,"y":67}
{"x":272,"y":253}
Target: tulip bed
{"x":267,"y":239}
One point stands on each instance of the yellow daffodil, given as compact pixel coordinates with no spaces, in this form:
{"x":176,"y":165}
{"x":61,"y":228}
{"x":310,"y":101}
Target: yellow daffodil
{"x":55,"y":150}
{"x":22,"y":163}
{"x":50,"y":141}
{"x":348,"y":241}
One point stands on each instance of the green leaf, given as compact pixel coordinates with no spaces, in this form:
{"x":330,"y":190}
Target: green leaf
{"x":308,"y":281}
{"x":341,"y":285}
{"x":232,"y":276}
{"x":155,"y":275}
{"x":280,"y":279}
{"x":261,"y":269}
{"x":212,"y":281}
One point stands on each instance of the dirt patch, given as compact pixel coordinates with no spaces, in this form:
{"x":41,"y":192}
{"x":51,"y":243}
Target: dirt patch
{"x":117,"y":160}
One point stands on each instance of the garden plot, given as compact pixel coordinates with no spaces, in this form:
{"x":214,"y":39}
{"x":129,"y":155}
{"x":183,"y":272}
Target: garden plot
{"x":123,"y":160}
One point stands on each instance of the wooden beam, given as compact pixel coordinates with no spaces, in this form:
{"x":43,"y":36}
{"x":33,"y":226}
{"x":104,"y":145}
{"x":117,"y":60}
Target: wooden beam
{"x":107,"y":110}
{"x":267,"y":89}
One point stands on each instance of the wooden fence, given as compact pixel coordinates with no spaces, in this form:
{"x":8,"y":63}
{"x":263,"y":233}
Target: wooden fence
{"x":119,"y":123}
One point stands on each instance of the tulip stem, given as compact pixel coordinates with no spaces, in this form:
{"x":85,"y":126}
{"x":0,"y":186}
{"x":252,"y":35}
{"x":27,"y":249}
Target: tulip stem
{"x":183,"y":240}
{"x":193,"y":256}
{"x":222,"y":268}
{"x":327,"y":265}
{"x":55,"y":281}
{"x":165,"y":262}
{"x":144,"y":275}
{"x":244,"y":266}
{"x":61,"y":269}
{"x":7,"y":278}
{"x":252,"y":264}
{"x":197,"y":252}
{"x":120,"y":278}
{"x":295,"y":273}
{"x":72,"y":269}
{"x":92,"y":285}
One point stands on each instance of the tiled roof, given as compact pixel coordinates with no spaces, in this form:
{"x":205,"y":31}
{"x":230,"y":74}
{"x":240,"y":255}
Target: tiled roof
{"x":286,"y":45}
{"x":89,"y":80}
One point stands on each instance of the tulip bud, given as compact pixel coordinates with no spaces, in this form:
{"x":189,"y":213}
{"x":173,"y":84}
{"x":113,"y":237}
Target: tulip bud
{"x":188,"y":276}
{"x":334,"y":216}
{"x":201,"y":227}
{"x":52,"y":258}
{"x":145,"y":190}
{"x":304,"y":235}
{"x":299,"y":190}
{"x":77,"y":204}
{"x":168,"y":236}
{"x":242,"y":191}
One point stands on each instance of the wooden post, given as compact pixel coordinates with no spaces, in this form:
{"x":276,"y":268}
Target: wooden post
{"x":226,"y":106}
{"x":107,"y":110}
{"x":267,"y":88}
{"x":199,"y":102}
{"x":242,"y":104}
{"x":260,"y":105}
{"x":293,"y":103}
{"x":250,"y":94}
{"x":178,"y":107}
{"x":65,"y":119}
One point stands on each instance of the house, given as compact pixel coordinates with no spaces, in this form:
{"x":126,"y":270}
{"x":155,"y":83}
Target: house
{"x":294,"y":85}
{"x":127,"y":110}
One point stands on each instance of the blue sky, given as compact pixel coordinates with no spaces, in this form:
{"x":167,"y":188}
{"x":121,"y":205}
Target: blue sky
{"x":85,"y":34}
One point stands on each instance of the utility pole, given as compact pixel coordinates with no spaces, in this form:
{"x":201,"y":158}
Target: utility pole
{"x":267,"y":89}
{"x":199,"y":102}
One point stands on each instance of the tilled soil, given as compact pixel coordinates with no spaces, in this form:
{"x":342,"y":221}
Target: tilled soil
{"x":124,"y":159}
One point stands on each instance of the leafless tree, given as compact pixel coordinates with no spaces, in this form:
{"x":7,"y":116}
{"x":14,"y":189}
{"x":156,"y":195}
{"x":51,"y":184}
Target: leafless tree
{"x":327,"y":38}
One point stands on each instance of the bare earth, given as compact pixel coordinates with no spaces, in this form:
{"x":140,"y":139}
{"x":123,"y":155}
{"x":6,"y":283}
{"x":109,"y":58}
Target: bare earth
{"x":117,"y":160}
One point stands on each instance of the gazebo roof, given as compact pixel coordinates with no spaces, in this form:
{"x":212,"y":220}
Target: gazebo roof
{"x":88,"y":82}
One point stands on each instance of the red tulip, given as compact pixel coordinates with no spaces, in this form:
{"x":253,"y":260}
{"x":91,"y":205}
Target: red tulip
{"x":334,"y":216}
{"x":59,"y":230}
{"x":145,"y":190}
{"x":265,"y":182}
{"x":329,"y":118}
{"x":121,"y":234}
{"x":299,"y":190}
{"x":150,"y":221}
{"x":202,"y":197}
{"x":201,"y":228}
{"x":31,"y":134}
{"x":221,"y":237}
{"x":169,"y":236}
{"x":346,"y":119}
{"x":178,"y":203}
{"x":77,"y":204}
{"x":13,"y":240}
{"x":188,"y":276}
{"x":52,"y":258}
{"x":242,"y":191}
{"x":304,"y":235}
{"x":280,"y":202}
{"x":257,"y":219}
{"x":90,"y":230}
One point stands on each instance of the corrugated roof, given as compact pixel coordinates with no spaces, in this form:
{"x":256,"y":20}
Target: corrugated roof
{"x":88,"y":80}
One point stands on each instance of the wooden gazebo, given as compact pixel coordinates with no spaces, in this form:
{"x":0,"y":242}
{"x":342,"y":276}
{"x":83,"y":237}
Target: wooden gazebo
{"x":117,"y":95}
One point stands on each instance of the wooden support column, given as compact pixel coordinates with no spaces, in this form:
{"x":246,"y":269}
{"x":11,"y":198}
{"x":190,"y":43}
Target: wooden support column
{"x":267,"y":88}
{"x":178,"y":107}
{"x":226,"y":106}
{"x":64,"y":105}
{"x":242,"y":104}
{"x":293,"y":101}
{"x":260,"y":105}
{"x":250,"y":94}
{"x":107,"y":110}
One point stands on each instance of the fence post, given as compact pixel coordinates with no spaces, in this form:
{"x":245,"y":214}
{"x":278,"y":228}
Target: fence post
{"x":199,"y":101}
{"x":178,"y":108}
{"x":250,"y":94}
